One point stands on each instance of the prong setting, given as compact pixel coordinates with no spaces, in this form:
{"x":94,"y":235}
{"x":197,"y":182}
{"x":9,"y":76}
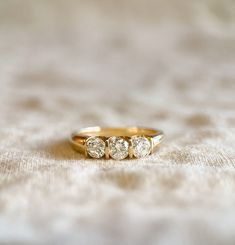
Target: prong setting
{"x":107,"y":149}
{"x":130,"y":148}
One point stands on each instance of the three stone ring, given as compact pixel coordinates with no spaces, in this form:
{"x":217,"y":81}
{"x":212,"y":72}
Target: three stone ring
{"x":117,"y":143}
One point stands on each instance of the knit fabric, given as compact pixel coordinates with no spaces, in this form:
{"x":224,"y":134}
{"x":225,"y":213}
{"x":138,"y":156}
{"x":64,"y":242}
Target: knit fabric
{"x":166,"y":64}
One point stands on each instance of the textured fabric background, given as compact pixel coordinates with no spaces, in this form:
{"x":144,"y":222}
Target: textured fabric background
{"x":67,"y":64}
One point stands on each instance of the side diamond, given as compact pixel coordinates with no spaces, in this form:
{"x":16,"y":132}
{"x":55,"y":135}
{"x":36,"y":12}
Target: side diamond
{"x":118,"y":148}
{"x":141,"y":146}
{"x":95,"y":147}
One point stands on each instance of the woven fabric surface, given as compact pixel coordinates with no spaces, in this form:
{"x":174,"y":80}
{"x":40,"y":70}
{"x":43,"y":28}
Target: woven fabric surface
{"x":71,"y":64}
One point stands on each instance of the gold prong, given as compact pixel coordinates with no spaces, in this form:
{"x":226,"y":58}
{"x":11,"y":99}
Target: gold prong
{"x":106,"y":149}
{"x":151,"y":142}
{"x":85,"y":151}
{"x":130,"y":149}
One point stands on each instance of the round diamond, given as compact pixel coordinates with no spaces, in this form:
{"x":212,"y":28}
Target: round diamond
{"x":95,"y":147}
{"x":141,"y":146}
{"x":118,"y":148}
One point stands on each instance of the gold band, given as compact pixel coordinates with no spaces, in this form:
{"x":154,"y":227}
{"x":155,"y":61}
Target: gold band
{"x":118,"y":143}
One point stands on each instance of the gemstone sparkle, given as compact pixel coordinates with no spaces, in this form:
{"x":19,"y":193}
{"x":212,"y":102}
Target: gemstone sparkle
{"x":95,"y":147}
{"x":141,"y":146}
{"x":118,"y":148}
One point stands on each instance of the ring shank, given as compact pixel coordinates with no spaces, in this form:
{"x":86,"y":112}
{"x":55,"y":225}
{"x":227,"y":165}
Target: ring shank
{"x":79,"y":138}
{"x":107,"y":132}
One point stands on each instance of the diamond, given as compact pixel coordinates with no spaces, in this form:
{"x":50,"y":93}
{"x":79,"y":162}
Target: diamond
{"x":95,"y":147}
{"x":118,"y":148}
{"x":141,"y":146}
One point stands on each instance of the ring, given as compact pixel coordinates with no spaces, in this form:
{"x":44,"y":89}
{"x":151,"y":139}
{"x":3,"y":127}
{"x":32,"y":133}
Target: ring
{"x":117,"y":143}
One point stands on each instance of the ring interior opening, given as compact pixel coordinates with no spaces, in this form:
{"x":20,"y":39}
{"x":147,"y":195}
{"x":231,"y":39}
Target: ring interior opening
{"x":97,"y":131}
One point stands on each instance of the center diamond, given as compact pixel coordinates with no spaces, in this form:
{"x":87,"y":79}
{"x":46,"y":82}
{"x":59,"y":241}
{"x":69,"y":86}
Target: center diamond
{"x":118,"y":148}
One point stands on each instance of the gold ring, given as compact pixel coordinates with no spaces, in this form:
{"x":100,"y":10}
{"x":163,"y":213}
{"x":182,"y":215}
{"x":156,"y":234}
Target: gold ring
{"x":117,"y":143}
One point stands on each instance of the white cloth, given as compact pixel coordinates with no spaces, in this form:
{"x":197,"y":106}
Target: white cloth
{"x":164,"y":64}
